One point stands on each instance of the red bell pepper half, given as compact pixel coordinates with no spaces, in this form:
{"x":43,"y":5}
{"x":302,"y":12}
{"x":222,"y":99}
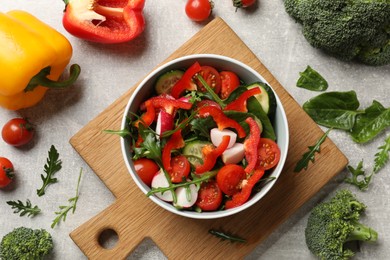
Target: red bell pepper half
{"x":251,"y":144}
{"x":242,"y":196}
{"x":184,"y":82}
{"x":221,"y":119}
{"x":239,"y":104}
{"x":211,"y":154}
{"x":104,"y":21}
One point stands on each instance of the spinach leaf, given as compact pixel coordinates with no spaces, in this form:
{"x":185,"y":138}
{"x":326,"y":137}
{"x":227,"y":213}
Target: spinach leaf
{"x":368,"y":125}
{"x":255,"y":108}
{"x":334,"y":109}
{"x":310,"y":79}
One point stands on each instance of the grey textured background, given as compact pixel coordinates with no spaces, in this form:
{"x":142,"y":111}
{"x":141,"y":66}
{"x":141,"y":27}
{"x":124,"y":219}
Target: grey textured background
{"x":109,"y":70}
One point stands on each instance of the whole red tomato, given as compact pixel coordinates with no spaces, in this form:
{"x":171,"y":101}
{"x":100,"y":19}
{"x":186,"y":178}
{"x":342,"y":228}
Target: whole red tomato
{"x":243,"y":3}
{"x":6,"y":172}
{"x":198,"y":10}
{"x":17,"y":132}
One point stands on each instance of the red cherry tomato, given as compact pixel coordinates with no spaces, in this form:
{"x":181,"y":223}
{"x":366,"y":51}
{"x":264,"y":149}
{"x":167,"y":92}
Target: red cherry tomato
{"x":243,"y":3}
{"x":198,"y":10}
{"x":212,"y":78}
{"x":209,"y":196}
{"x":17,"y":132}
{"x":180,"y":168}
{"x":6,"y":172}
{"x":146,"y":169}
{"x":229,"y":178}
{"x":229,"y":81}
{"x":268,"y":154}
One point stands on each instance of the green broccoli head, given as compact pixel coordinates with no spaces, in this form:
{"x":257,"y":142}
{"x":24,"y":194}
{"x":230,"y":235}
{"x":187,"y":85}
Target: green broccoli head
{"x":347,"y":29}
{"x":26,"y":244}
{"x":332,"y":224}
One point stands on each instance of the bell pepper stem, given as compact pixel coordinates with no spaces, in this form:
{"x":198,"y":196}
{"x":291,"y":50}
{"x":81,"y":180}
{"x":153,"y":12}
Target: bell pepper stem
{"x":41,"y":79}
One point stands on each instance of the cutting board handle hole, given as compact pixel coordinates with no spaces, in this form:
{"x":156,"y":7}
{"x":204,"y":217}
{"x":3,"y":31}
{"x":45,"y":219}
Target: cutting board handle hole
{"x":108,"y":238}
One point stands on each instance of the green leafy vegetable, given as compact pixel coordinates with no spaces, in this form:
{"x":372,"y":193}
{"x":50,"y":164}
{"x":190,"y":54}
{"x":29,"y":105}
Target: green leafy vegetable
{"x":63,"y":212}
{"x":310,"y":79}
{"x":373,"y":121}
{"x":53,"y":165}
{"x":382,"y":157}
{"x":150,"y":148}
{"x":359,"y":177}
{"x":27,"y":209}
{"x":255,"y":108}
{"x":225,"y":236}
{"x":310,"y":155}
{"x":334,"y":109}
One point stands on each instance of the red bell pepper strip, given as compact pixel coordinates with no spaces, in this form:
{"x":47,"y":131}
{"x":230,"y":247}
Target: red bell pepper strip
{"x":170,"y":104}
{"x":114,"y":22}
{"x":239,"y":104}
{"x":221,"y":119}
{"x":242,"y":196}
{"x":251,"y":144}
{"x":146,"y":119}
{"x":210,"y":155}
{"x":175,"y":142}
{"x":184,"y":82}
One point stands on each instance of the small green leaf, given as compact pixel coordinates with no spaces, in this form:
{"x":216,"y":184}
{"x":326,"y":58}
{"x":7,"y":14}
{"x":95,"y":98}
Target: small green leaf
{"x":310,"y":155}
{"x":225,"y":236}
{"x":359,"y":177}
{"x":382,"y":157}
{"x":310,"y":79}
{"x":53,"y":165}
{"x":27,"y":209}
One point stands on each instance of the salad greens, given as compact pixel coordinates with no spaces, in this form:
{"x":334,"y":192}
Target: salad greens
{"x":382,"y":157}
{"x":52,"y":166}
{"x":312,"y":80}
{"x":24,"y":209}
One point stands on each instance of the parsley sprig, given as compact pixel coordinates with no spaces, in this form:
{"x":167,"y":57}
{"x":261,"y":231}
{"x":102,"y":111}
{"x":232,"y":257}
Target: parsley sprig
{"x":63,"y":212}
{"x":53,"y":165}
{"x":27,"y":209}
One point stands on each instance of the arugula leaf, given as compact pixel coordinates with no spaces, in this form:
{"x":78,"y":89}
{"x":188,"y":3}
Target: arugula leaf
{"x":150,"y":147}
{"x":310,"y":155}
{"x":334,"y":109}
{"x":225,"y":236}
{"x":27,"y":209}
{"x":53,"y":165}
{"x":382,"y":157}
{"x":359,"y":177}
{"x":368,"y":125}
{"x":61,"y":215}
{"x":310,"y":79}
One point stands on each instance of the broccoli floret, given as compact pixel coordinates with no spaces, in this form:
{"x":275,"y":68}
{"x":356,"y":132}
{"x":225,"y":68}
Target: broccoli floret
{"x":26,"y":244}
{"x":332,"y":224}
{"x":347,"y":29}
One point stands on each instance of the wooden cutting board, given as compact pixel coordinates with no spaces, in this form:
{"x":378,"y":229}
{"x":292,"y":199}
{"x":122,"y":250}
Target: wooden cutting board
{"x":134,"y":217}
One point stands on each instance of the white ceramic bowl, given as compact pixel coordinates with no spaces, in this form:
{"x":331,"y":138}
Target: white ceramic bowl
{"x":248,"y":75}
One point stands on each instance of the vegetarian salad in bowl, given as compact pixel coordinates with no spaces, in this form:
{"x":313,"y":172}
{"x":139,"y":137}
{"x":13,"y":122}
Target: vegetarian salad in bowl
{"x":206,"y":136}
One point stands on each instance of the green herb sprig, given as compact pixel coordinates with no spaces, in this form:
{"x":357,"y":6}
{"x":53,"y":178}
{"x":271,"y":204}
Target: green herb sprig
{"x":63,"y":212}
{"x":52,"y":166}
{"x":225,"y":236}
{"x":28,"y":209}
{"x":359,"y":177}
{"x":382,"y":157}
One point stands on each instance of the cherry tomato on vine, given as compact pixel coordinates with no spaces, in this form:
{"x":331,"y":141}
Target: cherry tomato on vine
{"x":268,"y":154}
{"x":198,"y":10}
{"x":17,"y":132}
{"x":6,"y":172}
{"x":212,"y":78}
{"x":229,"y":82}
{"x":243,"y":3}
{"x":209,"y":196}
{"x":146,"y":169}
{"x":180,"y":168}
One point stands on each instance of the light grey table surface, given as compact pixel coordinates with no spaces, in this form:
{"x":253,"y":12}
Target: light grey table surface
{"x":110,"y":70}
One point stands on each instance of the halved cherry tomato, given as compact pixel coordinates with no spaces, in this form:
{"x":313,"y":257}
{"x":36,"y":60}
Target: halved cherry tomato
{"x":198,"y":10}
{"x":212,"y":78}
{"x":180,"y":168}
{"x":268,"y":154}
{"x":146,"y":169}
{"x":17,"y":132}
{"x":209,"y":196}
{"x":6,"y":172}
{"x":229,"y":178}
{"x":229,"y":82}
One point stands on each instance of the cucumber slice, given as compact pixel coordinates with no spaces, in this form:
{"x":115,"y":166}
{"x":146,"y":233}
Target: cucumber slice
{"x":266,"y":98}
{"x":193,"y":151}
{"x":166,"y":81}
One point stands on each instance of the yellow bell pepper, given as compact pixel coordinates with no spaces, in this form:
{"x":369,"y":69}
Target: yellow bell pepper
{"x":33,"y":56}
